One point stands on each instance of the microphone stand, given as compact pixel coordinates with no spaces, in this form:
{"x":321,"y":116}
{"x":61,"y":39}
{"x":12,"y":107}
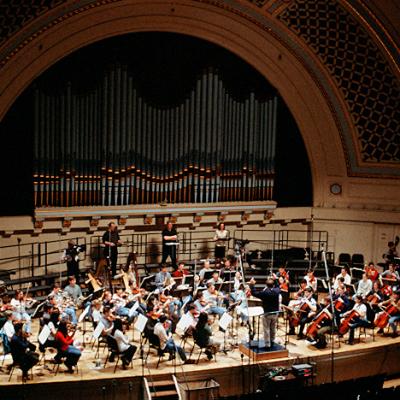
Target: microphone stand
{"x":19,"y":261}
{"x":333,"y":326}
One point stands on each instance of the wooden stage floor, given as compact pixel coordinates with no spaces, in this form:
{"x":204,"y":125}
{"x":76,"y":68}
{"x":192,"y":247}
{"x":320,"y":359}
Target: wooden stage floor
{"x":235,"y":372}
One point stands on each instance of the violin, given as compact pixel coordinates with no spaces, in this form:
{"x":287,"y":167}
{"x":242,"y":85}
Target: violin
{"x":345,"y":324}
{"x":382,"y":318}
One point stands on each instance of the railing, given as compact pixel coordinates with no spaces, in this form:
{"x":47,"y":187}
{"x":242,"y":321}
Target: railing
{"x":32,"y":259}
{"x":146,"y":391}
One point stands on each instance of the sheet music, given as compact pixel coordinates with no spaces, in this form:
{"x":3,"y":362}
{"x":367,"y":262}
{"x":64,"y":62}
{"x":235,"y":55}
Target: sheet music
{"x":184,"y":323}
{"x":253,"y":311}
{"x":140,"y":323}
{"x":97,"y":332}
{"x":133,"y":308}
{"x":84,"y":313}
{"x":44,"y":334}
{"x":224,"y":321}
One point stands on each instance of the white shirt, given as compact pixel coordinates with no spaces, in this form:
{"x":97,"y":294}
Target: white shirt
{"x":8,"y":329}
{"x":347,"y":280}
{"x":162,"y":334}
{"x":364,"y":287}
{"x":122,"y":341}
{"x":361,"y":310}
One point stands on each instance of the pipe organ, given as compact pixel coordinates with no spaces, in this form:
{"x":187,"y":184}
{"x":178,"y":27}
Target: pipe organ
{"x":109,"y":146}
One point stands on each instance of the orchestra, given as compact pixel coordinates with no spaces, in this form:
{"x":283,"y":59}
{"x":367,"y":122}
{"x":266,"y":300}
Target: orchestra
{"x":203,"y":295}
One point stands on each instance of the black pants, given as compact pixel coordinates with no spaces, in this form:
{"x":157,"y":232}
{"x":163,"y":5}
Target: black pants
{"x":73,"y":269}
{"x":113,"y":259}
{"x":127,"y":355}
{"x":219,"y":252}
{"x":169,"y":251}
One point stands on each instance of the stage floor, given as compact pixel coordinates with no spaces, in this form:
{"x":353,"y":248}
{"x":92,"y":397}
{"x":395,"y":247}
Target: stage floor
{"x":233,"y":358}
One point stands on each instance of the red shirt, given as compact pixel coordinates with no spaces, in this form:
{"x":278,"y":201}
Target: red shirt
{"x":180,"y":274}
{"x":63,"y":341}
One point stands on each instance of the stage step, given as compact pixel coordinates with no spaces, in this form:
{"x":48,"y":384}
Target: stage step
{"x":161,"y":383}
{"x":163,"y":394}
{"x":162,"y":389}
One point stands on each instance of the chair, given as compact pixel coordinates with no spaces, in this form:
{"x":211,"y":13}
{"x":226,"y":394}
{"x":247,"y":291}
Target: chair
{"x":362,"y":331}
{"x":344,"y":259}
{"x":112,"y":349}
{"x":202,"y":346}
{"x":357,"y":260}
{"x":59,"y":359}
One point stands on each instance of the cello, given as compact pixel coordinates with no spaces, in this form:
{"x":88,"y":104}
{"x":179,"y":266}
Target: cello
{"x":345,"y":324}
{"x":382,"y":318}
{"x":312,"y":329}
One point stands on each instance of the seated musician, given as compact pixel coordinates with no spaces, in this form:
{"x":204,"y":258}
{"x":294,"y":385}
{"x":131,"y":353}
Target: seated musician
{"x":119,"y":300}
{"x":215,"y":279}
{"x":52,"y":323}
{"x":202,"y":334}
{"x":73,"y":290}
{"x":107,"y":319}
{"x":23,"y":351}
{"x":282,"y":280}
{"x":343,"y":275}
{"x":364,"y":286}
{"x":309,"y":311}
{"x":371,"y":271}
{"x":242,"y":304}
{"x":341,"y":302}
{"x":311,"y":281}
{"x":206,"y":268}
{"x":360,"y":318}
{"x":181,"y":271}
{"x":300,"y":292}
{"x":163,"y":278}
{"x":19,"y":305}
{"x":127,"y":350}
{"x":167,"y":344}
{"x":212,"y":297}
{"x":375,"y":296}
{"x":96,"y":312}
{"x":63,"y":304}
{"x":391,"y":276}
{"x":394,"y":317}
{"x":227,"y":266}
{"x":200,"y":303}
{"x":65,"y":342}
{"x":8,"y":328}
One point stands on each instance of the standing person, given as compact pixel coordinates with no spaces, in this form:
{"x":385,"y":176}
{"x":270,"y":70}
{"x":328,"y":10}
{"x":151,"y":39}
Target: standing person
{"x":270,"y":300}
{"x":71,"y":257}
{"x":391,"y":252}
{"x":220,"y":238}
{"x":111,"y":241}
{"x":169,"y":244}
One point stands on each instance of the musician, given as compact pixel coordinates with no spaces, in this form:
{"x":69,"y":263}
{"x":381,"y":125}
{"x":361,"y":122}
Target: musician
{"x":371,"y":271}
{"x":202,"y":335}
{"x":52,"y":323}
{"x":311,"y":280}
{"x":391,"y":252}
{"x":62,"y":302}
{"x":360,"y":318}
{"x":163,"y":278}
{"x":340,"y":297}
{"x":206,"y":268}
{"x":23,"y":351}
{"x":73,"y":290}
{"x":19,"y":305}
{"x":391,"y":275}
{"x":200,"y":303}
{"x":300,"y":293}
{"x":111,"y":241}
{"x":242,"y":305}
{"x":8,"y":328}
{"x":67,"y":349}
{"x":212,"y":297}
{"x":127,"y":351}
{"x":181,"y":271}
{"x":270,"y":300}
{"x":119,"y":300}
{"x":343,"y":275}
{"x":309,"y":313}
{"x":162,"y":331}
{"x":220,"y":238}
{"x":169,"y":243}
{"x":71,"y":256}
{"x":364,"y":286}
{"x":215,"y":279}
{"x":395,"y":302}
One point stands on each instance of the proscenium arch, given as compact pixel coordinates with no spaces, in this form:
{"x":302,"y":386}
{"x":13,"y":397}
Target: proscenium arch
{"x":238,"y":34}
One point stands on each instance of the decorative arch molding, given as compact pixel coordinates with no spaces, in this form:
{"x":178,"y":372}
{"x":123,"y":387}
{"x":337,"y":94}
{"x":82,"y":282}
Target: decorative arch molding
{"x":244,"y":27}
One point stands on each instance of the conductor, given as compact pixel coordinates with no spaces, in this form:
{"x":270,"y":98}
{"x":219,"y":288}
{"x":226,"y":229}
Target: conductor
{"x":270,"y":301}
{"x":169,"y":244}
{"x":111,"y":241}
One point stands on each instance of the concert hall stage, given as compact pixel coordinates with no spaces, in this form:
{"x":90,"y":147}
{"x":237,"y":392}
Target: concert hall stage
{"x":236,"y":373}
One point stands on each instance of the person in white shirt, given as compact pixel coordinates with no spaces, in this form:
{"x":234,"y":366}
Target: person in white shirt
{"x":167,"y":344}
{"x":126,"y":349}
{"x":19,"y":306}
{"x":346,"y":278}
{"x":221,"y":236}
{"x":8,"y":327}
{"x":364,"y":286}
{"x":360,"y":319}
{"x":311,"y":281}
